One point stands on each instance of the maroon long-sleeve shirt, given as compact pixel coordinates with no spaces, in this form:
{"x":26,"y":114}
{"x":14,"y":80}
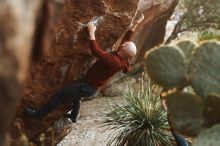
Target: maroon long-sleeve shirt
{"x":107,"y":64}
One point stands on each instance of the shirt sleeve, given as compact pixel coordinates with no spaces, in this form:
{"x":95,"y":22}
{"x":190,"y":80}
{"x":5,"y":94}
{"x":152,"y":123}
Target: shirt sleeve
{"x":98,"y":52}
{"x":127,"y":36}
{"x":127,"y":68}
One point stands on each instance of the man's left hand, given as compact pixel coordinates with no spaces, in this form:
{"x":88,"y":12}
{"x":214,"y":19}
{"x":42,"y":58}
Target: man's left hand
{"x":139,"y":20}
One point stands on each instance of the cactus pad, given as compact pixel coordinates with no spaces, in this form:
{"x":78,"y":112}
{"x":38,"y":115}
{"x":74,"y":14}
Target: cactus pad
{"x":187,"y":47}
{"x":212,"y":111}
{"x":205,"y":69}
{"x":167,"y":67}
{"x":185,"y":112}
{"x":209,"y":137}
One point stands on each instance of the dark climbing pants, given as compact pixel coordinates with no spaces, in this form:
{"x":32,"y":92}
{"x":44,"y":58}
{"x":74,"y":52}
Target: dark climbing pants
{"x":69,"y":95}
{"x":180,"y":141}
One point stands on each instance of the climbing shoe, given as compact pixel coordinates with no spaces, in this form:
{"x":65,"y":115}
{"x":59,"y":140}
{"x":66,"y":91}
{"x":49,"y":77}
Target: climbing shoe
{"x":73,"y":119}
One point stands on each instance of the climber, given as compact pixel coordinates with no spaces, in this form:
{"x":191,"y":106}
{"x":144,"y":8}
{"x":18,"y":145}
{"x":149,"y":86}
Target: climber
{"x":106,"y":66}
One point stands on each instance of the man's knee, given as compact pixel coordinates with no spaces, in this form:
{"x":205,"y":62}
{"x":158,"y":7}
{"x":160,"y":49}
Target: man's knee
{"x":66,"y":94}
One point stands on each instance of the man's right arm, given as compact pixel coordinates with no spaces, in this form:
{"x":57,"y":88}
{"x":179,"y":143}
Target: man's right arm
{"x":95,"y":49}
{"x":127,"y":37}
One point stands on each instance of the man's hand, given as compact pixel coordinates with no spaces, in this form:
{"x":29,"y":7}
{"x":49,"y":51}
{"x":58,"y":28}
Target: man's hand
{"x":136,"y":22}
{"x":91,"y":27}
{"x":139,"y":20}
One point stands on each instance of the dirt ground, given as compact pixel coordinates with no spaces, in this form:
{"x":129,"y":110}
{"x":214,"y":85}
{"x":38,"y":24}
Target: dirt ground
{"x":89,"y":130}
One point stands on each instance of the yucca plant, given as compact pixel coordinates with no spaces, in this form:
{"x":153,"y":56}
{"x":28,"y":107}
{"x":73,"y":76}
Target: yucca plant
{"x":140,"y":121}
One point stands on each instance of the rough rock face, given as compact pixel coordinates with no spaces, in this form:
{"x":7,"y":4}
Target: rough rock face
{"x":69,"y":57}
{"x":15,"y":51}
{"x":152,"y":31}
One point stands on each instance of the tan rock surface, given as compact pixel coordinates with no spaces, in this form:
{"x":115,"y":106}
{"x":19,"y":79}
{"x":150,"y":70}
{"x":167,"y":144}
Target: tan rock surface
{"x":17,"y":30}
{"x":69,"y":57}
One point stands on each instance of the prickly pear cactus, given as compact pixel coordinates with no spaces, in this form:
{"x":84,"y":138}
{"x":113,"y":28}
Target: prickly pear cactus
{"x":188,"y":48}
{"x":166,"y":66}
{"x":212,"y":111}
{"x":209,"y":137}
{"x":205,"y":69}
{"x":197,"y":67}
{"x":184,"y":117}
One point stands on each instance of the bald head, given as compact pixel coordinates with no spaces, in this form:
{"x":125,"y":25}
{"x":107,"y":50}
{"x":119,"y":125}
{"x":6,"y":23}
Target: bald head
{"x":128,"y":50}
